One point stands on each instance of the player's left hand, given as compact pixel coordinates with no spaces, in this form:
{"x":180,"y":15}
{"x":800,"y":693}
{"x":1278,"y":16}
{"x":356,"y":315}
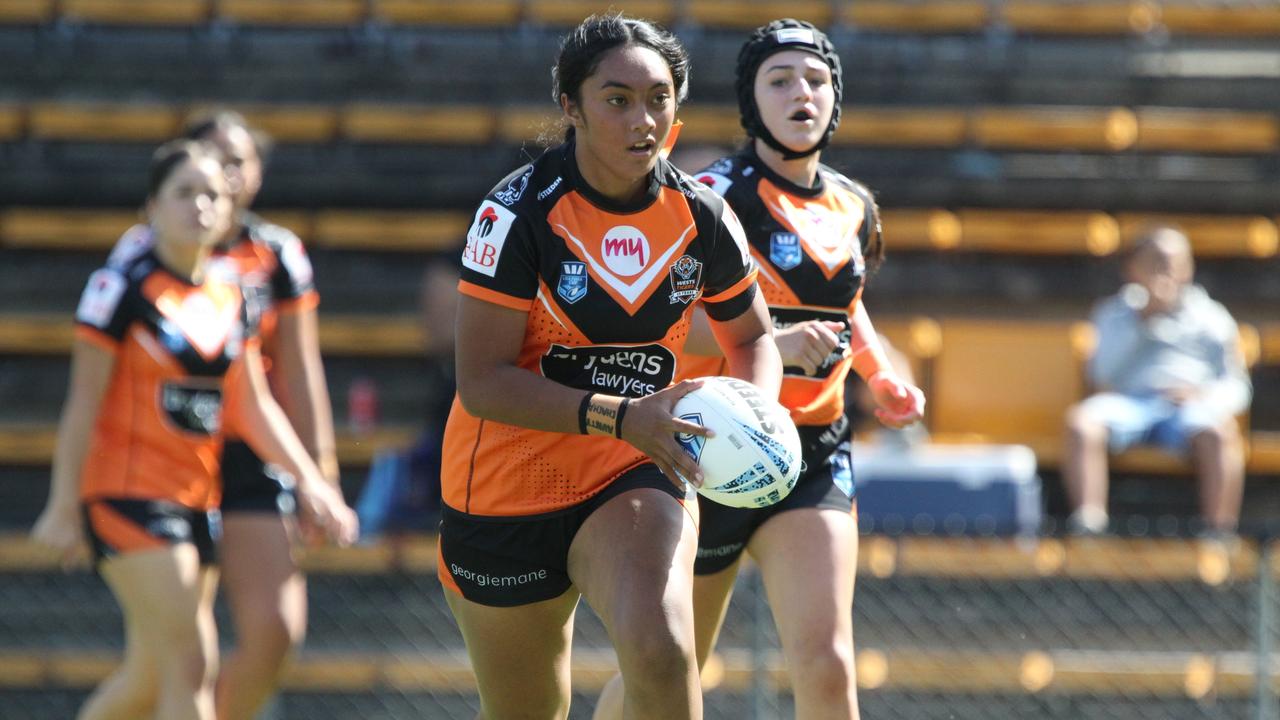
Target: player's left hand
{"x":324,"y":514}
{"x":898,"y":403}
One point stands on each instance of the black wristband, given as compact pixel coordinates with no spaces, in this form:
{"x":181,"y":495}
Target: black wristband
{"x":622,"y":411}
{"x":582,"y":412}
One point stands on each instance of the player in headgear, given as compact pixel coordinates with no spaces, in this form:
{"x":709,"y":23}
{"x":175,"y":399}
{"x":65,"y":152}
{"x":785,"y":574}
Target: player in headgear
{"x":814,"y":234}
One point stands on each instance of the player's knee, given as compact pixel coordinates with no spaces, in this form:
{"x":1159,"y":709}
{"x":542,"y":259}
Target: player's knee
{"x":828,"y":669}
{"x":654,"y":654}
{"x":192,"y":667}
{"x":272,"y":632}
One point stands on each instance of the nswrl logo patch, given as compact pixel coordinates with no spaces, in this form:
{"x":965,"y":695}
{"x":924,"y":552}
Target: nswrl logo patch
{"x":784,"y":250}
{"x":691,"y":443}
{"x":572,"y":285}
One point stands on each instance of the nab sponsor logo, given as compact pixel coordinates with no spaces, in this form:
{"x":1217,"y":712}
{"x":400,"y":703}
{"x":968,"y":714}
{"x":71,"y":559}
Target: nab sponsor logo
{"x":717,"y":182}
{"x":625,"y":250}
{"x":486,"y":237}
{"x":100,"y":298}
{"x":485,"y":225}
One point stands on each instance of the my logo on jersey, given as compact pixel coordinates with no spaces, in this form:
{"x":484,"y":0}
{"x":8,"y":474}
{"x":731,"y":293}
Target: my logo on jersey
{"x":512,"y":192}
{"x":686,"y":279}
{"x":784,"y":250}
{"x":572,"y":286}
{"x":486,"y":237}
{"x":625,"y":250}
{"x":691,"y":443}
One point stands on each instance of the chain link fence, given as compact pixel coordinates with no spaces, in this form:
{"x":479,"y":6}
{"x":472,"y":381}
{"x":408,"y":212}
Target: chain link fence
{"x":946,"y":627}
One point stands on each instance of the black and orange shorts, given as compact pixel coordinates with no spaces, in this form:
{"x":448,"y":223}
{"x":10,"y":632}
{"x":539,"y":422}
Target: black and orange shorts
{"x":825,"y":483}
{"x":510,"y":561}
{"x":117,"y":526}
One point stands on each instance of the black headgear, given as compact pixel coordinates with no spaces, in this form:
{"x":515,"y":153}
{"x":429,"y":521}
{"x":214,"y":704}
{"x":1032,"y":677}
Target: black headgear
{"x":776,"y":37}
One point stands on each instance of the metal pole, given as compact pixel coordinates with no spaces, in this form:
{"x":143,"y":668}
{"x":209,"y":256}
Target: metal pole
{"x":1263,"y":697}
{"x":762,"y":705}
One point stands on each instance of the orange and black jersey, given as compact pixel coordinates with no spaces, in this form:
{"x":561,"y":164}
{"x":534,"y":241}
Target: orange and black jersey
{"x":268,"y":260}
{"x":609,"y":290}
{"x":810,"y":245}
{"x":177,"y":346}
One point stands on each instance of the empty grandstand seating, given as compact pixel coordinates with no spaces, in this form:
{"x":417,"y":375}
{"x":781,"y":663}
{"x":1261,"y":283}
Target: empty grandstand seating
{"x":447,"y":12}
{"x":1074,"y":128}
{"x":292,"y":12}
{"x":918,"y":17}
{"x":1006,"y":382}
{"x":136,"y":12}
{"x":1042,"y":17}
{"x":571,"y":12}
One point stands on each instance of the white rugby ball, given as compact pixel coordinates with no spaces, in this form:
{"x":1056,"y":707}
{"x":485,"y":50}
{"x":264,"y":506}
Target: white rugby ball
{"x":754,"y":459}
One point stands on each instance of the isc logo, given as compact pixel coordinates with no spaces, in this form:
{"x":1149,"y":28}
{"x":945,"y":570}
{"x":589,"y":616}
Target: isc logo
{"x":625,"y":250}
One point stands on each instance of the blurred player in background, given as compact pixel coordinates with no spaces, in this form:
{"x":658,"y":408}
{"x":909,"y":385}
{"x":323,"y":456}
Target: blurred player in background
{"x":812,"y":232}
{"x":265,"y":588}
{"x":560,"y":459}
{"x":165,"y":363}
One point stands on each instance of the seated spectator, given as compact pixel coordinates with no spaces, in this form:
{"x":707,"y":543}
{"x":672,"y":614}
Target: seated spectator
{"x":1169,"y":372}
{"x":402,"y":493}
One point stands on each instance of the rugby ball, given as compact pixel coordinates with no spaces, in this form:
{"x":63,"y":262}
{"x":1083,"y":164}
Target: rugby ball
{"x":754,"y":459}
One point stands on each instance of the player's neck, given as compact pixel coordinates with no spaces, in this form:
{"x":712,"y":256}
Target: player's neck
{"x":801,"y":171}
{"x":186,"y":260}
{"x":619,"y":189}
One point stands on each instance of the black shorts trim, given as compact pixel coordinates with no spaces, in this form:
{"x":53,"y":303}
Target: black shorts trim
{"x":251,"y":485}
{"x":826,"y":483}
{"x":511,"y":561}
{"x":116,"y":526}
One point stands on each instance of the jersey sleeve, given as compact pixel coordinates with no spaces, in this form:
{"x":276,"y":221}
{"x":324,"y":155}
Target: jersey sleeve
{"x":499,"y":262}
{"x":134,"y":242}
{"x":102,"y":315}
{"x":731,"y":273}
{"x":293,"y":280}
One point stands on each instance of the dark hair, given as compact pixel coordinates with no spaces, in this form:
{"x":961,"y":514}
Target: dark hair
{"x":873,"y":251}
{"x":202,"y":127}
{"x":170,"y":155}
{"x":582,"y":49}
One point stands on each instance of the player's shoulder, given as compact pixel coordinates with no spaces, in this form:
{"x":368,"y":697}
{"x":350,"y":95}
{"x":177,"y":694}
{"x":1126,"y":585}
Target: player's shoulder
{"x":275,"y":237}
{"x":533,"y":187}
{"x":841,"y":182}
{"x":700,"y":194}
{"x":725,"y":173}
{"x":107,"y":287}
{"x":135,"y":242}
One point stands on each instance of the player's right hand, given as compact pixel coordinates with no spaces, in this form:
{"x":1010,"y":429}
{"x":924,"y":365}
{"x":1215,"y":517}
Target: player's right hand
{"x":651,"y":426}
{"x":321,"y":510}
{"x":59,"y":528}
{"x":807,"y":345}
